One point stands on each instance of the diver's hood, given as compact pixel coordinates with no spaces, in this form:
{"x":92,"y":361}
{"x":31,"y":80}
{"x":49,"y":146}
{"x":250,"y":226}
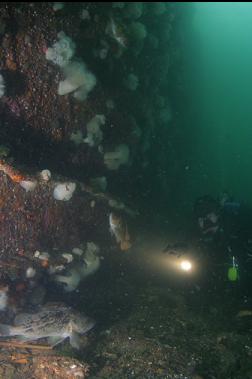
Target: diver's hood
{"x":205,"y":205}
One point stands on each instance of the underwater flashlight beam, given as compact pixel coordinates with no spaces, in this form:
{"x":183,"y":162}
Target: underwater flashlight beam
{"x":186,"y":265}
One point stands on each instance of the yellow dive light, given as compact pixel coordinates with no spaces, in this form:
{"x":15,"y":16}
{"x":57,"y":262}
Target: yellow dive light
{"x":186,"y":265}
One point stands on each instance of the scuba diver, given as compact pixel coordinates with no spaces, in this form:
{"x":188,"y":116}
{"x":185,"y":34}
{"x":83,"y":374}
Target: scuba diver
{"x":224,"y":229}
{"x":207,"y":214}
{"x":225,"y":223}
{"x":221,"y":246}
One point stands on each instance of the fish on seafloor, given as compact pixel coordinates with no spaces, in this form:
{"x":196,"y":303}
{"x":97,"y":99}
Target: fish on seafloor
{"x":119,"y":229}
{"x":54,"y":321}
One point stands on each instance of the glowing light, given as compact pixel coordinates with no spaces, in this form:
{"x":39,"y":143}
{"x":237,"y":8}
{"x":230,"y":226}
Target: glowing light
{"x":186,"y":266}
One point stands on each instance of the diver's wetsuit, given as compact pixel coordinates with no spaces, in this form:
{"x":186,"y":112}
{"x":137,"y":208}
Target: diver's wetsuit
{"x":235,"y":231}
{"x":226,"y":231}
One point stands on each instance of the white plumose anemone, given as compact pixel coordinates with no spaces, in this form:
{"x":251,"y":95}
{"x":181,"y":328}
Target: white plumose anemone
{"x":64,"y":191}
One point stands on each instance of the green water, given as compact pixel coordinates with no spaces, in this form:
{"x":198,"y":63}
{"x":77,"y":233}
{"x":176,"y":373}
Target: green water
{"x":156,"y":111}
{"x":219,"y":66}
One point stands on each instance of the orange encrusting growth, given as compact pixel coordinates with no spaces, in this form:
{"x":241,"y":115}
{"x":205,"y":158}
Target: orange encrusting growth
{"x":13,"y":174}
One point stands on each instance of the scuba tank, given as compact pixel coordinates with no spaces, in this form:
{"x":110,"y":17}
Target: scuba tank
{"x":233,"y":271}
